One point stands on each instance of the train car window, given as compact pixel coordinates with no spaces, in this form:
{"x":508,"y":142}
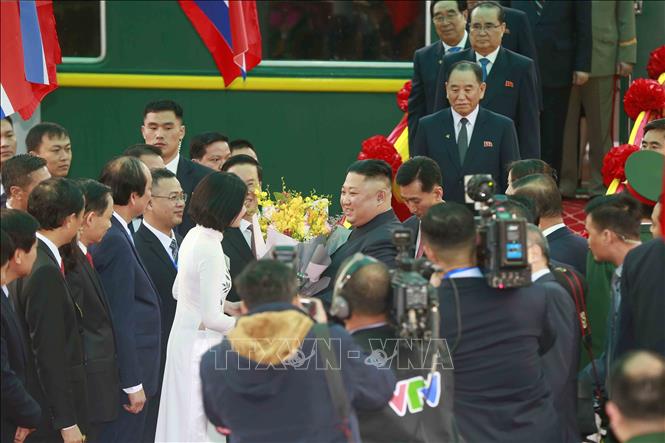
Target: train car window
{"x":81,"y":30}
{"x":342,"y":31}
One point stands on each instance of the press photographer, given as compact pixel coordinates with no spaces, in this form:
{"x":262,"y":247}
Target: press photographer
{"x":363,"y":298}
{"x":496,"y":338}
{"x":264,"y":381}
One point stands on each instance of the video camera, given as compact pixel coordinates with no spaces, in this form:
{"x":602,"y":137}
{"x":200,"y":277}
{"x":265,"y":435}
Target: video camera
{"x":502,"y":239}
{"x":415,"y":303}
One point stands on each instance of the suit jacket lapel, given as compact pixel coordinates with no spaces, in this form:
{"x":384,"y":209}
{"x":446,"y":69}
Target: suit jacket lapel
{"x":92,"y":275}
{"x":157,"y":246}
{"x":496,"y":77}
{"x":12,"y":316}
{"x":237,"y":240}
{"x":448,"y":137}
{"x":134,"y":251}
{"x":475,"y":143}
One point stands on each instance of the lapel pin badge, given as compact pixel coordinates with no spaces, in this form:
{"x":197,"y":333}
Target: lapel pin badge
{"x":447,"y":135}
{"x":509,"y":84}
{"x":488,"y":144}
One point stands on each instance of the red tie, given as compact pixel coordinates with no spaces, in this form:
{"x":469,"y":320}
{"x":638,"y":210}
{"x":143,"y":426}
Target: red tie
{"x":420,"y":251}
{"x":62,"y":268}
{"x":89,"y":257}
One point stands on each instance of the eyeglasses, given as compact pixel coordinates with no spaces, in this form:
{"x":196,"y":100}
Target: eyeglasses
{"x":489,"y":27}
{"x":173,"y":198}
{"x":450,"y":16}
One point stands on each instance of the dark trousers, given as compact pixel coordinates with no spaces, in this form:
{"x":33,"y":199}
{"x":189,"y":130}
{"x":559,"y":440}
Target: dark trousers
{"x":552,"y":124}
{"x":127,"y":428}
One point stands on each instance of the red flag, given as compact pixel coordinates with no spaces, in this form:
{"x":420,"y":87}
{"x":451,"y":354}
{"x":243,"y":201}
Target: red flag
{"x":230,"y":32}
{"x":18,"y":94}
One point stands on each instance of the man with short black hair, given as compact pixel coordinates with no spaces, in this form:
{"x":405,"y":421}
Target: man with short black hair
{"x":500,"y":390}
{"x":241,"y":146}
{"x":366,"y":203}
{"x":51,"y":142}
{"x":20,"y":175}
{"x":419,"y":180}
{"x":236,"y":397}
{"x":50,"y":317}
{"x":466,"y":138}
{"x":243,"y":244}
{"x":210,"y":149}
{"x":7,"y":149}
{"x":565,"y":246}
{"x":559,"y":363}
{"x":157,"y":244}
{"x":133,"y":299}
{"x":150,"y":155}
{"x":511,"y":79}
{"x":654,"y":136}
{"x":637,"y":398}
{"x":21,"y":413}
{"x":164,"y":128}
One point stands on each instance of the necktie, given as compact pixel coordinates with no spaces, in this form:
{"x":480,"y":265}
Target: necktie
{"x":174,"y":250}
{"x":453,"y":49}
{"x":89,"y":257}
{"x":462,"y":140}
{"x":483,"y":64}
{"x":252,"y":243}
{"x":538,"y":5}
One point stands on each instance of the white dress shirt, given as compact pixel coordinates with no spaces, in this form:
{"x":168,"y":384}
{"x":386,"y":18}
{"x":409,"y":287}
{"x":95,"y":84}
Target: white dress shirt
{"x":536,"y":275}
{"x":461,"y":44}
{"x":469,"y":126}
{"x":52,"y":247}
{"x":553,"y":228}
{"x":5,"y":291}
{"x":173,"y":164}
{"x":164,"y":239}
{"x":491,"y":57}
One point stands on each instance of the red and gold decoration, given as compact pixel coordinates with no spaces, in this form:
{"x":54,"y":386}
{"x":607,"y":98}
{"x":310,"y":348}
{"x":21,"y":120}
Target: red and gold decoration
{"x":656,"y":64}
{"x":644,"y":95}
{"x":393,"y":149}
{"x":614,"y":164}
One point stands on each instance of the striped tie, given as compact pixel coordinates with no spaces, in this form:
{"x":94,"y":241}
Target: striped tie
{"x":538,"y":5}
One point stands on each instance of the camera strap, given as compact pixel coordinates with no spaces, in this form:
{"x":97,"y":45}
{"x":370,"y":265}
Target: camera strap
{"x":334,"y":379}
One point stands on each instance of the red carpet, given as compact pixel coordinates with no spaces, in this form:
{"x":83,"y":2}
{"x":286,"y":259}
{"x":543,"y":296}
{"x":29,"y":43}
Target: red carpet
{"x":573,"y":214}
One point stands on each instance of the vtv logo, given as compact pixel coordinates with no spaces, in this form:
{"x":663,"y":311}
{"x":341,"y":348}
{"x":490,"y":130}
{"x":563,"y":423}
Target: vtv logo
{"x":415,"y":392}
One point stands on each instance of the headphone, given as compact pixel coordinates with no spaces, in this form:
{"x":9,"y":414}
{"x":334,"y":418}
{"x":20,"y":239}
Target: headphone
{"x":340,"y":307}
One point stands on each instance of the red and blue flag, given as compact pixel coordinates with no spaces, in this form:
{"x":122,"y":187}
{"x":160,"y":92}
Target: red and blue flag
{"x":230,"y":31}
{"x":30,"y":52}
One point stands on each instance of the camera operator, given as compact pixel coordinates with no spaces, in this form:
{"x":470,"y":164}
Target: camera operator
{"x":496,"y":335}
{"x":264,"y":381}
{"x":364,"y":288}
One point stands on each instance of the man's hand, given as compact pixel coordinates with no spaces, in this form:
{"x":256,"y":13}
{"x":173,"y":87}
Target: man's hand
{"x":580,"y":78}
{"x":232,"y":308}
{"x":136,"y":402}
{"x":624,"y":69}
{"x":72,"y":435}
{"x":21,"y":434}
{"x":316,"y":309}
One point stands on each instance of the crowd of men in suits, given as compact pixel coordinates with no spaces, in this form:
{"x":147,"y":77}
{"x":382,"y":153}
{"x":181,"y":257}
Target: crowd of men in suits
{"x":541,"y":63}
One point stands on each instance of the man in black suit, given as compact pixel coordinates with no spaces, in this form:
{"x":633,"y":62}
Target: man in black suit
{"x":419,"y":181}
{"x":562,"y":31}
{"x":7,"y":149}
{"x":163,"y":127}
{"x":642,"y":302}
{"x":96,"y":322}
{"x":500,"y":390}
{"x":512,"y":83}
{"x":365,"y":200}
{"x":449,"y":18}
{"x":50,"y":316}
{"x":20,"y":175}
{"x":561,"y":361}
{"x":133,"y":298}
{"x":20,"y":411}
{"x":467,"y":139}
{"x":565,"y":246}
{"x":157,"y":244}
{"x":240,"y":244}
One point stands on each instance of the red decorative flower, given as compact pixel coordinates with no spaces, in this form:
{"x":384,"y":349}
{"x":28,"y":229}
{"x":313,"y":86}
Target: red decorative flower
{"x":379,"y":148}
{"x":403,"y":96}
{"x":643,"y":95}
{"x":614,"y":163}
{"x":656,"y":65}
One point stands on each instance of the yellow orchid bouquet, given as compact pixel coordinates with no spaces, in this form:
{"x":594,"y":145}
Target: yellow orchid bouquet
{"x":302,"y":218}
